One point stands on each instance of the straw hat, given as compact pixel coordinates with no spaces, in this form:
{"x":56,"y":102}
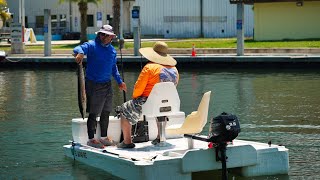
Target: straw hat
{"x":106,"y":29}
{"x":158,"y":54}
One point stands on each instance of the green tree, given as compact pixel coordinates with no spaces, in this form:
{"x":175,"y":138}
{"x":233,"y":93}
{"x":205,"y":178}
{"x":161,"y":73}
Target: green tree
{"x":4,"y":15}
{"x":83,"y":8}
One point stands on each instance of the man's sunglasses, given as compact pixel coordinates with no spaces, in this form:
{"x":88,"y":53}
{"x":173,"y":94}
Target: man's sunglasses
{"x":104,"y":35}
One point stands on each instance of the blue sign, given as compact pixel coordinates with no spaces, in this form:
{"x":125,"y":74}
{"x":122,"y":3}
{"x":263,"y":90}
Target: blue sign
{"x":45,"y":28}
{"x":135,"y":13}
{"x":239,"y":24}
{"x":99,"y":16}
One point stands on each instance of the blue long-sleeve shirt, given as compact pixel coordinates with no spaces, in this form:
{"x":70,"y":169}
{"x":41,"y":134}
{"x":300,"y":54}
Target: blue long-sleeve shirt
{"x":101,"y":61}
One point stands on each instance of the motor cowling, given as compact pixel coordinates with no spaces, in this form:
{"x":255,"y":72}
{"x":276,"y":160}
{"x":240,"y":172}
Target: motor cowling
{"x":224,"y":128}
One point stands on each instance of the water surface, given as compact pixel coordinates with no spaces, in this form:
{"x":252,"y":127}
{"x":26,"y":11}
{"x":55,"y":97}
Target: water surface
{"x":37,"y":105}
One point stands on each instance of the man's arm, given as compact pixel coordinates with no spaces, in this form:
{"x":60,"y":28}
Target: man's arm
{"x":117,"y":77}
{"x":80,"y":51}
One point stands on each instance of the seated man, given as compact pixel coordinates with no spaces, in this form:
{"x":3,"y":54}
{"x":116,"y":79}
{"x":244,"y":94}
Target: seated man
{"x":160,"y":68}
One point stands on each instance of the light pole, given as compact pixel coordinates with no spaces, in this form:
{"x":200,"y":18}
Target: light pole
{"x":17,"y":31}
{"x":21,"y":13}
{"x":121,"y":21}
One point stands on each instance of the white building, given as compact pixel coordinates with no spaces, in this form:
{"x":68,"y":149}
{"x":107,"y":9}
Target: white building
{"x":158,"y":18}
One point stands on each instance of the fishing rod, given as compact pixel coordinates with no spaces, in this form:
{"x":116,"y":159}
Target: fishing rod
{"x":121,"y":43}
{"x":140,"y":56}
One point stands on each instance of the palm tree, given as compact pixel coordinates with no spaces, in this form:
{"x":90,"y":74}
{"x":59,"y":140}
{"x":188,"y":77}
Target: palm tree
{"x":116,"y":16}
{"x":4,"y":15}
{"x":83,"y":8}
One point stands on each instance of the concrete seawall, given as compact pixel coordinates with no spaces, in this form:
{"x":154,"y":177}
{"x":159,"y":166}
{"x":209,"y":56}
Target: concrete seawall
{"x":200,"y":51}
{"x":183,"y":60}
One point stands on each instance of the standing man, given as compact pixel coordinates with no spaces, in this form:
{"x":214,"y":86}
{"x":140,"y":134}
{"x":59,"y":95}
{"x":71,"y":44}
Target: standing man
{"x":101,"y":64}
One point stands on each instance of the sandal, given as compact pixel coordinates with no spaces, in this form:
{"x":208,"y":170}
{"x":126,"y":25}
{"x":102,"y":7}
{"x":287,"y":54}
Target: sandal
{"x":107,"y":141}
{"x":155,"y":141}
{"x":95,"y":143}
{"x":123,"y":145}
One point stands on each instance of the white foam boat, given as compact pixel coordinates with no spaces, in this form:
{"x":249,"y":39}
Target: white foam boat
{"x":176,"y":157}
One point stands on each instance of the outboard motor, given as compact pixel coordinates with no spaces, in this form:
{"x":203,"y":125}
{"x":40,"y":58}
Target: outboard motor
{"x":223,"y":129}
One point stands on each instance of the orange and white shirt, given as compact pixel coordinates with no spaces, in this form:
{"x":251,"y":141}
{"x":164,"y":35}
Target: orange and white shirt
{"x":151,"y":74}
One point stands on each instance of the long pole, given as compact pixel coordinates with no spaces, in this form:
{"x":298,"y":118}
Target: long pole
{"x":120,"y":47}
{"x":201,"y":18}
{"x":121,"y":43}
{"x":121,"y":21}
{"x":240,"y":32}
{"x":70,"y":16}
{"x":23,"y":22}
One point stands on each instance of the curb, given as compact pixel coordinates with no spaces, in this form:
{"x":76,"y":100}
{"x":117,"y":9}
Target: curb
{"x":200,"y":51}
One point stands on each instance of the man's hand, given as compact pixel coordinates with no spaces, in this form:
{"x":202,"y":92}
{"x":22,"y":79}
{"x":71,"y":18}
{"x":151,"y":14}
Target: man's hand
{"x":79,"y":58}
{"x":123,"y":87}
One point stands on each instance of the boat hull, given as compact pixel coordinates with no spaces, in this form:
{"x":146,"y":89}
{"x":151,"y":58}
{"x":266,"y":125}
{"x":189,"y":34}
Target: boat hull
{"x":178,"y":161}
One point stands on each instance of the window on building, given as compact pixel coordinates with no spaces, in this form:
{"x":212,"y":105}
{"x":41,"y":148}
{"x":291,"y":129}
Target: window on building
{"x":63,"y":20}
{"x":39,"y":21}
{"x":90,"y":20}
{"x":26,"y":22}
{"x":54,"y":21}
{"x":109,"y":20}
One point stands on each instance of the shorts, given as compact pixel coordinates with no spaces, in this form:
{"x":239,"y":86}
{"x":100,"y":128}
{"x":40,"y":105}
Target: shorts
{"x":99,"y":97}
{"x":132,"y":109}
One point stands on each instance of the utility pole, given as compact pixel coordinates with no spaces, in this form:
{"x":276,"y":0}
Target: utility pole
{"x":17,"y":31}
{"x":47,"y":32}
{"x":23,"y":14}
{"x":136,"y":29}
{"x":240,"y":32}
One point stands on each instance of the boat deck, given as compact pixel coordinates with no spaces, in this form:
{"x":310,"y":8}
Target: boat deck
{"x":178,"y":161}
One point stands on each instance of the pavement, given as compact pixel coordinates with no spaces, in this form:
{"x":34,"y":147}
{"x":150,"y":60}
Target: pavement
{"x":174,"y":51}
{"x":297,"y":56}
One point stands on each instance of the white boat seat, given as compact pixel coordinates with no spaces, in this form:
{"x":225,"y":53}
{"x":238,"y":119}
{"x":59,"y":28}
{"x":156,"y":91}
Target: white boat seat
{"x":162,"y":103}
{"x":163,"y":100}
{"x":195,"y":121}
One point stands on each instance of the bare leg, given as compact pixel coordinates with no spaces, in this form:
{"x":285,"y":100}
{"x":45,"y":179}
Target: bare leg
{"x":126,"y":130}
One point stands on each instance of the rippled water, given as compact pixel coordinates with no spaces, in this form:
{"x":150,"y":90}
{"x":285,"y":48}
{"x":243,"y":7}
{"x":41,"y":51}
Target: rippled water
{"x":37,"y":105}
